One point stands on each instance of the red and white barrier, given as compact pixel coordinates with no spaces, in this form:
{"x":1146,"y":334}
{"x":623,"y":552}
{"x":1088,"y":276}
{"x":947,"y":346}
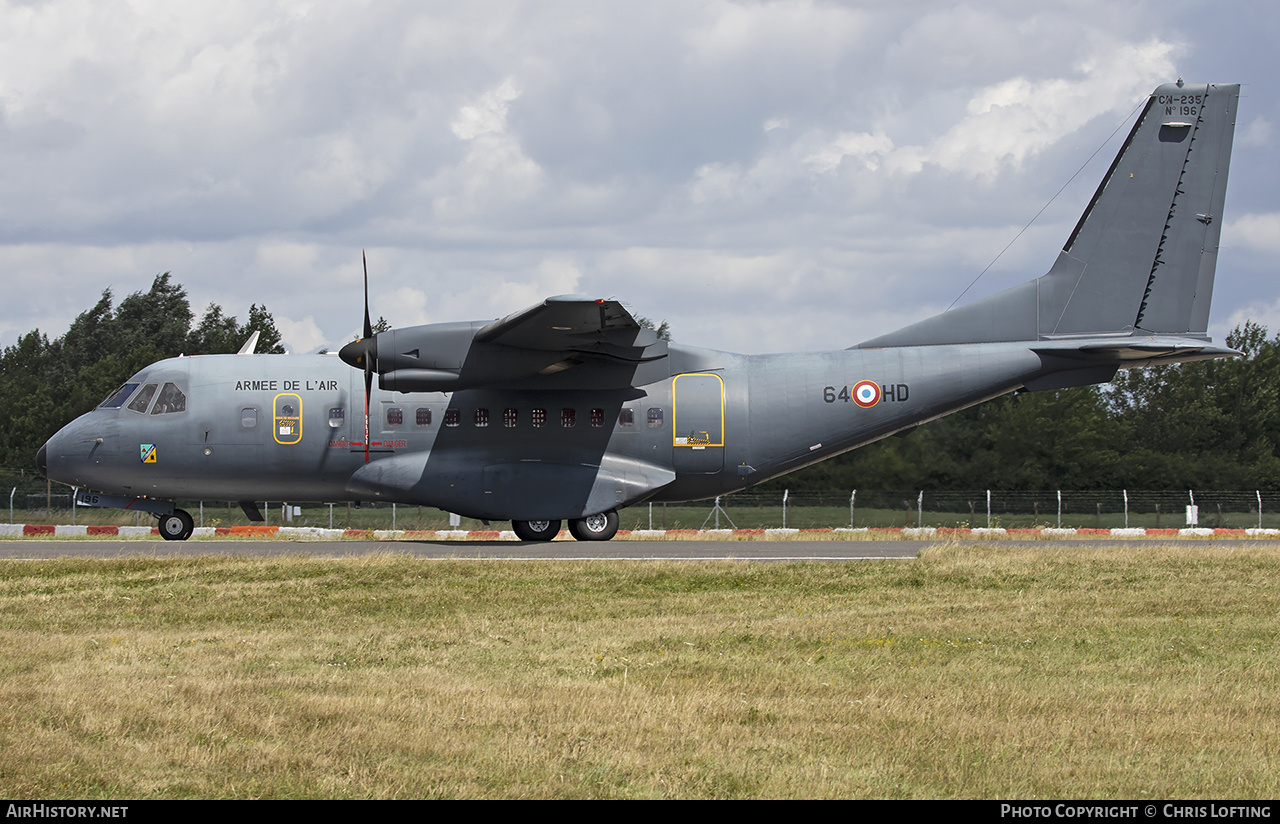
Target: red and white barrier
{"x":317,"y":533}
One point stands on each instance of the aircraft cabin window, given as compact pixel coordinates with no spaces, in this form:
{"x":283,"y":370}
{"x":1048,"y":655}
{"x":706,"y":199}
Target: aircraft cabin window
{"x":171,"y":399}
{"x":626,"y":417}
{"x":248,"y":417}
{"x":423,"y":416}
{"x":336,"y":417}
{"x":509,"y":417}
{"x":117,"y":398}
{"x":597,"y":417}
{"x":142,"y":400}
{"x":655,"y":418}
{"x":482,"y":417}
{"x":395,"y":416}
{"x":568,"y":417}
{"x":452,"y":417}
{"x":538,"y":417}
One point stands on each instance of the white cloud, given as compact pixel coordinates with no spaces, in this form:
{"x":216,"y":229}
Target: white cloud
{"x":495,"y":171}
{"x":867,"y":149}
{"x":1260,"y":232}
{"x":300,"y":336}
{"x":1008,"y":121}
{"x":1258,"y":133}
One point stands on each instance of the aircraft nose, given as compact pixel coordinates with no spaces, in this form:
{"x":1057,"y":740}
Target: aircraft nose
{"x":75,"y":451}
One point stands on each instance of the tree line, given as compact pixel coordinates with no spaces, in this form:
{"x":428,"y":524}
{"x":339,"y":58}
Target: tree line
{"x":44,"y":384}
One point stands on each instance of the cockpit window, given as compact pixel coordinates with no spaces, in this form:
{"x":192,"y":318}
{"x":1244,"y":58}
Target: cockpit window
{"x":117,"y":398}
{"x":143,"y":398}
{"x":171,"y":399}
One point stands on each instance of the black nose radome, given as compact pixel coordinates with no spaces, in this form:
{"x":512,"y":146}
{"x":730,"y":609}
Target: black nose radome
{"x":42,"y":460}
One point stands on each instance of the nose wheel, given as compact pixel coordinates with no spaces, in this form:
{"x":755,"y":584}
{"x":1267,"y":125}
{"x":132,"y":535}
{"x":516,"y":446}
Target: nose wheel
{"x":600,"y":527}
{"x":177,"y":526}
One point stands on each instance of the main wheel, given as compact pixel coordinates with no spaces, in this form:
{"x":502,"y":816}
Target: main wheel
{"x":600,"y":527}
{"x":536,"y":530}
{"x":178,"y":526}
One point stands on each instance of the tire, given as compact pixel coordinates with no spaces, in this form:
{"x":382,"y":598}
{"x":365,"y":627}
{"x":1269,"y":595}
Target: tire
{"x":178,"y":526}
{"x":536,"y":530}
{"x":600,"y":527}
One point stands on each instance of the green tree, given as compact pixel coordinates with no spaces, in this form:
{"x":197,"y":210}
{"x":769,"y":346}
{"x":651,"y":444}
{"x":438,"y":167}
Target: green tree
{"x":216,"y":333}
{"x":220,"y":334}
{"x":260,"y":320}
{"x":45,"y":383}
{"x":1205,"y":424}
{"x":663,"y":329}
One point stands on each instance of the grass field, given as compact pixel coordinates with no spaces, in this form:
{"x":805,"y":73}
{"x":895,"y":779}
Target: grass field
{"x":1136,"y":671}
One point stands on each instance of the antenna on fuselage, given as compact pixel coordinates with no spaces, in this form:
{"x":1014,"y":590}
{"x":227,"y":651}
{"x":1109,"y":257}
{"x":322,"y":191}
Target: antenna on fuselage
{"x":250,"y":345}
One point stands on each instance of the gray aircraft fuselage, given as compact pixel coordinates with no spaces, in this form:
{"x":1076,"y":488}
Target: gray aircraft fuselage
{"x":720,"y":423}
{"x":570,"y":410}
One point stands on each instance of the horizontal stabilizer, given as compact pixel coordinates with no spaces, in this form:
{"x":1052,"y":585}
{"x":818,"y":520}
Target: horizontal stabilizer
{"x":1132,"y":351}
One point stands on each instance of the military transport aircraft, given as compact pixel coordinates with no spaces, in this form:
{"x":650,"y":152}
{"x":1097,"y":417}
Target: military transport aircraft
{"x":569,"y":410}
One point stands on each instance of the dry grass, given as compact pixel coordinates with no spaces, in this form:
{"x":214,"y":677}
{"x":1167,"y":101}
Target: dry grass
{"x":979,"y":671}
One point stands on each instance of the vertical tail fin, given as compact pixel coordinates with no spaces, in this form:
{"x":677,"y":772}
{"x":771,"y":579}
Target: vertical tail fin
{"x":1141,"y":260}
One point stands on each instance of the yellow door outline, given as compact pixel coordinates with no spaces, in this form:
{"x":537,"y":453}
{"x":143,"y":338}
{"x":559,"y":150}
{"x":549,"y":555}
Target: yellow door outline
{"x":286,"y":419}
{"x":700,"y":438}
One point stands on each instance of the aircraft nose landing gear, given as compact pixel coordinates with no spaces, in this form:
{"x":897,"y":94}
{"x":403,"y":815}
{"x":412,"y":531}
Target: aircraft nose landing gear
{"x":178,"y":526}
{"x":599,"y":527}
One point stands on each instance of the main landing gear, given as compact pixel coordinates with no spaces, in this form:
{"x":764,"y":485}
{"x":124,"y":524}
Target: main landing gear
{"x":599,"y":527}
{"x":536,"y":530}
{"x":177,"y":526}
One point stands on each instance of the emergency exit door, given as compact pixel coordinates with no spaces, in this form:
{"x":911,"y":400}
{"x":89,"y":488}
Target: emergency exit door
{"x":697,"y":423}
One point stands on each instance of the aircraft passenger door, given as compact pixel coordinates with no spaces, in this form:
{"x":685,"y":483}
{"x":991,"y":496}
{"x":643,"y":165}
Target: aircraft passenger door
{"x":697,"y":423}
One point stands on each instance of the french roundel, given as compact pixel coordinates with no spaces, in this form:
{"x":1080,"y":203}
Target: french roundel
{"x":866,"y":394}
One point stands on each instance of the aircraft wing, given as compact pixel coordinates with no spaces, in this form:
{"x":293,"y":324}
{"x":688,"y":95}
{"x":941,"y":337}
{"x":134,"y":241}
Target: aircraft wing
{"x":572,"y":323}
{"x":596,"y":338}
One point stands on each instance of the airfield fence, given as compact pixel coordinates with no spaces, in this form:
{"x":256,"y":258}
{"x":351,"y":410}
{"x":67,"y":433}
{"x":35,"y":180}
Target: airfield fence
{"x":31,"y":499}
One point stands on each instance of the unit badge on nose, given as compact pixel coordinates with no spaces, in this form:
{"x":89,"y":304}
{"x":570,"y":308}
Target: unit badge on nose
{"x":148,"y":452}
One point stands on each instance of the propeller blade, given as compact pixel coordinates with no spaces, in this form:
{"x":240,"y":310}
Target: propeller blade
{"x":370,"y":354}
{"x":368,"y":327}
{"x":363,"y":354}
{"x":368,"y":389}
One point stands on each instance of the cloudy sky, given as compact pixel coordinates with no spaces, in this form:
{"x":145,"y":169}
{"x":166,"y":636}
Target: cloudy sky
{"x":766,"y":176}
